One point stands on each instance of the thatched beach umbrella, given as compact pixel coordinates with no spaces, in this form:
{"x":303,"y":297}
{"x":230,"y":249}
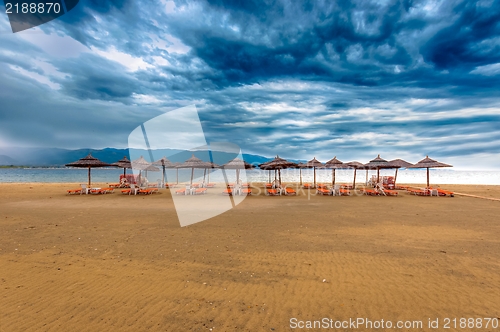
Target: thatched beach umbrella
{"x":313,"y":163}
{"x":238,"y":164}
{"x":429,"y":163}
{"x":378,"y":163}
{"x":334,"y":164}
{"x":355,"y":165}
{"x":142,"y":164}
{"x":193,"y":163}
{"x":277,"y":164}
{"x":164,"y":163}
{"x":88,"y":162}
{"x":397,"y":164}
{"x":123,"y":163}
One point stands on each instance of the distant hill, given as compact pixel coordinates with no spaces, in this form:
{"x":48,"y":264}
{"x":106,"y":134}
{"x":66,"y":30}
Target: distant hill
{"x":60,"y":157}
{"x":7,"y":161}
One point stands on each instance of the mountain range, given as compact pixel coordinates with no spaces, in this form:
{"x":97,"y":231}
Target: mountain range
{"x":56,"y":157}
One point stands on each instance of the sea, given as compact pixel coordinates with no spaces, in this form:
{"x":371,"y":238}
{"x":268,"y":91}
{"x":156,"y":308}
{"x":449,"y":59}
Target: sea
{"x":112,"y":175}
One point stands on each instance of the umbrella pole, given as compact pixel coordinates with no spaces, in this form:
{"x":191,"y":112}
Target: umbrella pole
{"x":163,"y":177}
{"x":354,"y":181}
{"x":192,"y":175}
{"x":427,"y":177}
{"x":177,"y":176}
{"x":333,"y":183}
{"x":204,"y":174}
{"x":378,"y":175}
{"x":395,"y":177}
{"x":279,"y":175}
{"x":208,"y":180}
{"x":269,"y":176}
{"x":366,"y":183}
{"x":314,"y":170}
{"x":89,"y":176}
{"x":237,"y":176}
{"x":300,"y":172}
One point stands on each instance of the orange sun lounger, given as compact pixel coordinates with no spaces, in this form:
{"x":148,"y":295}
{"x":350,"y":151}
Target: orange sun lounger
{"x":290,"y":192}
{"x":269,"y":185}
{"x":246,"y":191}
{"x":419,"y":192}
{"x":324,"y":191}
{"x":371,"y":192}
{"x":228,"y":192}
{"x":307,"y":186}
{"x":387,"y":192}
{"x":200,"y":191}
{"x":344,"y":192}
{"x":74,"y":191}
{"x":273,"y":192}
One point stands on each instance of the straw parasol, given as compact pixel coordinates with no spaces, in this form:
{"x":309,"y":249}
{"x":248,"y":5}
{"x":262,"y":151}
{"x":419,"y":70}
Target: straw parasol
{"x":164,"y":163}
{"x":355,"y":165}
{"x":378,"y":163}
{"x":142,"y":165}
{"x":193,"y":163}
{"x":334,"y":164}
{"x":313,"y":163}
{"x":397,"y":164}
{"x":429,"y":163}
{"x":277,"y":164}
{"x":238,"y":164}
{"x":123,"y":163}
{"x":88,"y":162}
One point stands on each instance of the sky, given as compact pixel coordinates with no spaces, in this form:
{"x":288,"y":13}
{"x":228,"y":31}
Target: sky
{"x":302,"y":79}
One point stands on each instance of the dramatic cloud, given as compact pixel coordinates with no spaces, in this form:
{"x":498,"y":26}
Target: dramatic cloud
{"x":302,"y":79}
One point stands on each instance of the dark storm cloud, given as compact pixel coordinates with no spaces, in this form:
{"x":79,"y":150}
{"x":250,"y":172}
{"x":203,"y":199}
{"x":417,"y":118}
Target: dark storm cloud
{"x":320,"y":78}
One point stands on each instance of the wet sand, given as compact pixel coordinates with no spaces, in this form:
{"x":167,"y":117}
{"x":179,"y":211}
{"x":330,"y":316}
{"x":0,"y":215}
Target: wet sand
{"x":123,"y":263}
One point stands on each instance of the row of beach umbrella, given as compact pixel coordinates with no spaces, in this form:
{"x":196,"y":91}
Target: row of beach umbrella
{"x":276,"y":165}
{"x":143,"y":165}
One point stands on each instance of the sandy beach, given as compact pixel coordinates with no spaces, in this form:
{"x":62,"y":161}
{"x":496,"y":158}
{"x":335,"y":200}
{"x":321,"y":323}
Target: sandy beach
{"x":123,"y":263}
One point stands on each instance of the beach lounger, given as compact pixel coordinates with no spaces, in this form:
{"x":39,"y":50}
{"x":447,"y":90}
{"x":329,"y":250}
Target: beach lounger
{"x":386,"y":192}
{"x":418,"y":192}
{"x":323,"y":191}
{"x":102,"y":191}
{"x":269,"y":185}
{"x":371,"y":192}
{"x":322,"y":186}
{"x":228,"y":192}
{"x":307,"y":186}
{"x":245,"y":185}
{"x":442,"y":192}
{"x":346,"y":186}
{"x":180,"y":192}
{"x":344,"y":192}
{"x":246,"y":192}
{"x":114,"y":185}
{"x":133,"y":189}
{"x":210,"y":185}
{"x":74,"y":191}
{"x":272,"y":192}
{"x":290,"y":192}
{"x":200,"y":191}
